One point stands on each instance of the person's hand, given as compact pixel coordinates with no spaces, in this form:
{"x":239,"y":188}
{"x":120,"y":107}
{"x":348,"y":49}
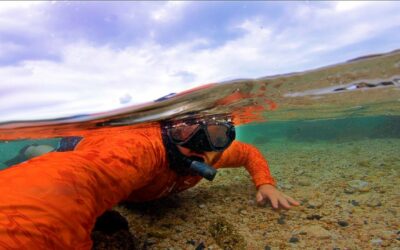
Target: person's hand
{"x":277,"y":198}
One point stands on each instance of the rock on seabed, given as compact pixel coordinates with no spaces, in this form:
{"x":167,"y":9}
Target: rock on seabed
{"x":316,"y":231}
{"x":359,"y":185}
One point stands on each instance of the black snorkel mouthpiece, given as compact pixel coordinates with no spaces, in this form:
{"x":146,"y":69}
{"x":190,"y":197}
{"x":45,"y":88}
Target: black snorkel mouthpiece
{"x":201,"y":168}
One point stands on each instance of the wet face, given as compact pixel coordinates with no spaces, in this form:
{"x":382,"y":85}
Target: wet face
{"x":210,"y":158}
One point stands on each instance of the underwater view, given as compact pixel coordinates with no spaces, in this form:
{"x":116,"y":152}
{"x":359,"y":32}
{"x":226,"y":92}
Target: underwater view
{"x":331,"y":138}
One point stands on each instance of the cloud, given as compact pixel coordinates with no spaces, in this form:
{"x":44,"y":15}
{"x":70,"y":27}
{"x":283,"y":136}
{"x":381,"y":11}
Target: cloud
{"x":7,"y":6}
{"x":88,"y":79}
{"x":346,"y":6}
{"x":23,"y":33}
{"x":171,"y":10}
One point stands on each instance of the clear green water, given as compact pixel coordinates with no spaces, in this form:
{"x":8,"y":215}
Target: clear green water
{"x":11,"y":150}
{"x":334,"y":130}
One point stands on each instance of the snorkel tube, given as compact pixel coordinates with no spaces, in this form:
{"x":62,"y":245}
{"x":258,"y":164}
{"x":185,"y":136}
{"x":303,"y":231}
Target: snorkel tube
{"x":201,"y":168}
{"x":183,"y":165}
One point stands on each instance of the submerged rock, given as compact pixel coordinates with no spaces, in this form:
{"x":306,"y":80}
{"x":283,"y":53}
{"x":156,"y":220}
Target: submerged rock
{"x":201,"y":246}
{"x":355,"y":203}
{"x":281,"y":220}
{"x":314,"y":217}
{"x":304,"y":182}
{"x":377,"y":242}
{"x":314,"y":204}
{"x":316,"y":231}
{"x":191,"y":242}
{"x":387,"y":235}
{"x":349,"y":190}
{"x":225,"y":235}
{"x":343,"y":223}
{"x":359,"y":185}
{"x":364,"y":163}
{"x":374,"y":201}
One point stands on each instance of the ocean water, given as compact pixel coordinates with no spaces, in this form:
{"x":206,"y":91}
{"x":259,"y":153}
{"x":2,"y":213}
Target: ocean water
{"x":332,"y":130}
{"x":331,"y":137}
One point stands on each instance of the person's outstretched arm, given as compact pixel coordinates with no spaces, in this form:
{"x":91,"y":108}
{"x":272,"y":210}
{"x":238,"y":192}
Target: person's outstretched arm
{"x":52,"y":201}
{"x":243,"y":154}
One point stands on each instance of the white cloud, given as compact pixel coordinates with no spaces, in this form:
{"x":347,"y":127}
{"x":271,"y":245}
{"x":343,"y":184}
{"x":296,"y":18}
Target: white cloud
{"x":345,"y":24}
{"x":344,"y":6}
{"x":169,"y":11}
{"x":6,"y":6}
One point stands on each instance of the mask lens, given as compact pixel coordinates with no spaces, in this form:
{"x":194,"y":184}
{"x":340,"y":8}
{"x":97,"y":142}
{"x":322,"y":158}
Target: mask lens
{"x":182,"y":133}
{"x":218,"y":135}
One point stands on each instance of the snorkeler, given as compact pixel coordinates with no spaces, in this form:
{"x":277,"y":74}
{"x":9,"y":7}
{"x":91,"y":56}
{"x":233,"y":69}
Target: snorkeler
{"x":52,"y":201}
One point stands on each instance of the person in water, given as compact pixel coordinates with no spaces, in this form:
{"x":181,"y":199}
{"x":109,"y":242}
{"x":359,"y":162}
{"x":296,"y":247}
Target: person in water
{"x":52,"y":201}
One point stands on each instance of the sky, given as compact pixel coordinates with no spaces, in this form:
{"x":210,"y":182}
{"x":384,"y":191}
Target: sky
{"x":64,"y":58}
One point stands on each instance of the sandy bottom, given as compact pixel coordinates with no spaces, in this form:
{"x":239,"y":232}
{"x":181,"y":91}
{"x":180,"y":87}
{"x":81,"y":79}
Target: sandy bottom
{"x":349,"y":192}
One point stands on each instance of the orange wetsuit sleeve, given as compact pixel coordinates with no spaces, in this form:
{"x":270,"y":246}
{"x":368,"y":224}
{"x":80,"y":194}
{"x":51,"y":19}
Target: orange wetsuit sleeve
{"x":243,"y":154}
{"x":52,"y":201}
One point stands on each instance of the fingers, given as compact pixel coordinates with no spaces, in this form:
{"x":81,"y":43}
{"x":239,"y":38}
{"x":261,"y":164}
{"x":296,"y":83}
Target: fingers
{"x":292,"y":201}
{"x":274,"y":202}
{"x":283,"y":202}
{"x":260,"y":199}
{"x":287,"y":202}
{"x":276,"y":198}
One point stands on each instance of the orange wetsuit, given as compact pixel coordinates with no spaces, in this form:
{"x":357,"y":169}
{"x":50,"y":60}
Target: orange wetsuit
{"x":52,"y":201}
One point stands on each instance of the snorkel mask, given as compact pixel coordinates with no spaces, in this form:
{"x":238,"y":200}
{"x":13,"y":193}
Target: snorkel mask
{"x":203,"y":135}
{"x":200,"y":135}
